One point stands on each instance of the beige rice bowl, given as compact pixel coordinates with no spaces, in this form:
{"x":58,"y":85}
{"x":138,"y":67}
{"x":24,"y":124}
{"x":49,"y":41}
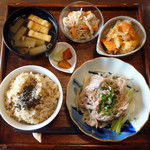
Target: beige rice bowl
{"x":31,"y":97}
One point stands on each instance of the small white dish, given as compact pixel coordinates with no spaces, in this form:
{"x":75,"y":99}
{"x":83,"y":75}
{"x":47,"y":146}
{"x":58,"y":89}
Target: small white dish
{"x":72,"y":61}
{"x":110,"y":24}
{"x":4,"y":86}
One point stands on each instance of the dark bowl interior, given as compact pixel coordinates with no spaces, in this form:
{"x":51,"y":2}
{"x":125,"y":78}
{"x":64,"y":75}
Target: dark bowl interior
{"x":42,"y":13}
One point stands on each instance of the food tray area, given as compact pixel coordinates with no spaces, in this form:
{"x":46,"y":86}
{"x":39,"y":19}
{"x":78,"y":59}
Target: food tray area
{"x":62,"y":132}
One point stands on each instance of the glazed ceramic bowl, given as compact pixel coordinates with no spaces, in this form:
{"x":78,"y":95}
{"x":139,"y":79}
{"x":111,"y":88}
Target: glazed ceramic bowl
{"x":141,"y":98}
{"x":4,"y":86}
{"x":76,"y":6}
{"x":137,"y":26}
{"x":40,"y":12}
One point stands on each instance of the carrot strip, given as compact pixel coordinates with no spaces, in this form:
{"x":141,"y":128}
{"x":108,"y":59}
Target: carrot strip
{"x":87,"y":13}
{"x":70,"y":14}
{"x":73,"y":30}
{"x":64,"y":64}
{"x":125,"y":27}
{"x":95,"y":28}
{"x":85,"y":27}
{"x":109,"y":45}
{"x":67,"y":54}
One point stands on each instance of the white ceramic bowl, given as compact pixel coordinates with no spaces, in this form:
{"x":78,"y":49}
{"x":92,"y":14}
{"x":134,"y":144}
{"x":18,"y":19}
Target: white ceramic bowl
{"x":142,"y":102}
{"x":72,"y":61}
{"x":4,"y":86}
{"x":76,"y":6}
{"x":110,"y":24}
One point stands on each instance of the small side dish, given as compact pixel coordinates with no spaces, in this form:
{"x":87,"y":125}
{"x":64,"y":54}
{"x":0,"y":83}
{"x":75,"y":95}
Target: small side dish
{"x":80,"y":24}
{"x":121,"y":39}
{"x":63,"y":57}
{"x":81,"y":21}
{"x":121,"y":36}
{"x":31,"y":97}
{"x":29,"y":34}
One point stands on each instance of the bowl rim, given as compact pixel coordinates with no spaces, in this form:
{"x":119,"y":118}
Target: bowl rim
{"x":87,"y":40}
{"x":16,"y":12}
{"x":12,"y":75}
{"x":99,"y":45}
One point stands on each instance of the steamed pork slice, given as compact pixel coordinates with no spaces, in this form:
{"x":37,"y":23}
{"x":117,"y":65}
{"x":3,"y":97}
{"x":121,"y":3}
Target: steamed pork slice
{"x":100,"y":108}
{"x":88,"y":97}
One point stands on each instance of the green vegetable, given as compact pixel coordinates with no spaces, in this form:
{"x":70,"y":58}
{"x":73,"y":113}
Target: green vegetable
{"x":130,"y":93}
{"x":103,"y":88}
{"x":59,"y":55}
{"x":110,"y":96}
{"x":101,"y":95}
{"x":117,"y":92}
{"x":108,"y":113}
{"x":99,"y":110}
{"x":116,"y":125}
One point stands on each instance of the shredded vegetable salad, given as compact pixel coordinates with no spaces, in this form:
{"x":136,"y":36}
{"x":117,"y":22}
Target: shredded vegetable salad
{"x":80,"y":24}
{"x":105,"y":99}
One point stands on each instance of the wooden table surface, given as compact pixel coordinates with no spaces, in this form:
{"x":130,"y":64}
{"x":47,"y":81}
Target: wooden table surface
{"x":76,"y":139}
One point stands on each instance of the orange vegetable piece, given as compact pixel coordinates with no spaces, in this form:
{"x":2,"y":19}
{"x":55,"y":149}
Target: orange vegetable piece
{"x":85,"y":27}
{"x":87,"y":13}
{"x":70,"y":14}
{"x":67,"y":54}
{"x":125,"y":27}
{"x":109,"y":45}
{"x":73,"y":30}
{"x":95,"y":28}
{"x":64,"y":64}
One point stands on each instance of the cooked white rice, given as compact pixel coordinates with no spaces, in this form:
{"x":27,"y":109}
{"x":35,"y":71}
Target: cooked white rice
{"x":45,"y":89}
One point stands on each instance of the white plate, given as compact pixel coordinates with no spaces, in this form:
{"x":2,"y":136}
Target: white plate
{"x":72,"y":61}
{"x":142,"y":100}
{"x":110,"y":24}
